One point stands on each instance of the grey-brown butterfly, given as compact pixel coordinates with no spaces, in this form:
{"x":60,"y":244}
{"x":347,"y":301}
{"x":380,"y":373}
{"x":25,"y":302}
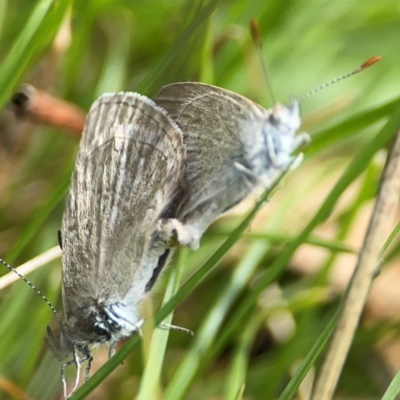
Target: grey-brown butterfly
{"x":233,"y":145}
{"x":116,"y":227}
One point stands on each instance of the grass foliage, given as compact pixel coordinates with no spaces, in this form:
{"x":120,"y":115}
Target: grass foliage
{"x":245,"y":277}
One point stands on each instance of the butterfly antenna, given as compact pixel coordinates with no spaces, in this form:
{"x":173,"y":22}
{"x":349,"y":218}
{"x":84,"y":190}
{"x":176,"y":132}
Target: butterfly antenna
{"x":255,"y":33}
{"x":365,"y":65}
{"x":163,"y":325}
{"x":34,"y":288}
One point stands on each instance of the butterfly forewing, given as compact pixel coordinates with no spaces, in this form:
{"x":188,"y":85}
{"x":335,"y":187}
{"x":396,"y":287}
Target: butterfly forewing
{"x":129,"y":165}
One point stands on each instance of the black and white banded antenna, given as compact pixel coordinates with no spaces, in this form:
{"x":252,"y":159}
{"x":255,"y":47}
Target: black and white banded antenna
{"x":255,"y":33}
{"x":34,"y":288}
{"x":365,"y":65}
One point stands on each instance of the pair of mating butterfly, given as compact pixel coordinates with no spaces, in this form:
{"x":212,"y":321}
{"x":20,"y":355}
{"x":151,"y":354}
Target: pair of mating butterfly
{"x":150,"y":177}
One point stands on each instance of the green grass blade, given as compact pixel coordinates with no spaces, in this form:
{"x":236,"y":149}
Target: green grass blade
{"x":322,"y":140}
{"x":290,"y":390}
{"x":151,"y":376}
{"x":3,"y":13}
{"x":240,"y":360}
{"x":39,"y":30}
{"x":390,"y":239}
{"x":277,"y":238}
{"x":152,"y":82}
{"x":33,"y":226}
{"x":393,"y":389}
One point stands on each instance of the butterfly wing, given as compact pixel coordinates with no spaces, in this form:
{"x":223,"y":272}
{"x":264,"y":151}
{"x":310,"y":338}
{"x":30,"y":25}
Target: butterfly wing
{"x":232,"y":146}
{"x":129,"y":163}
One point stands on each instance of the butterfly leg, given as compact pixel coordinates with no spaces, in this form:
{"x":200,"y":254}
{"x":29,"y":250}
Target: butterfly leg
{"x":173,"y":234}
{"x":300,"y":140}
{"x":111,"y":350}
{"x":77,"y":362}
{"x":251,"y":178}
{"x":89,"y":358}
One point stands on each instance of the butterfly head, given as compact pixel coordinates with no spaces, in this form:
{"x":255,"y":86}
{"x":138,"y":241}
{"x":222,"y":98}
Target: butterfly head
{"x":286,"y":119}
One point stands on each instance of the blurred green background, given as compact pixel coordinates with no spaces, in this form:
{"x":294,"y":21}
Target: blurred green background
{"x":260,"y":310}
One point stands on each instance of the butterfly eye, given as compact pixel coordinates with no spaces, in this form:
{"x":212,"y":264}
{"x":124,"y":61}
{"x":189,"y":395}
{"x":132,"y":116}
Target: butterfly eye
{"x":278,"y":115}
{"x":273,"y":119}
{"x":285,"y":118}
